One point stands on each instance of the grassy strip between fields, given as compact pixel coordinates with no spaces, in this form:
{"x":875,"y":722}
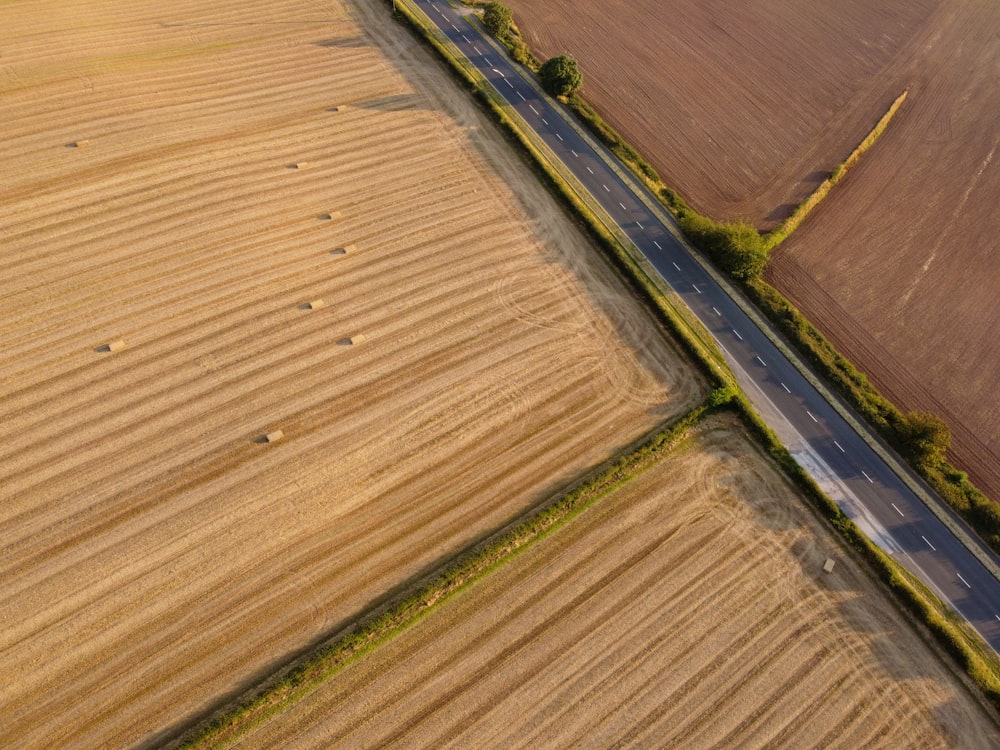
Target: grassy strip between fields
{"x":977,"y":660}
{"x":320,"y":664}
{"x":790,"y":224}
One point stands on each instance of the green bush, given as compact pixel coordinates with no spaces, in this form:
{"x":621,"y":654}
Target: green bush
{"x":561,"y":75}
{"x":498,"y":19}
{"x":735,"y":247}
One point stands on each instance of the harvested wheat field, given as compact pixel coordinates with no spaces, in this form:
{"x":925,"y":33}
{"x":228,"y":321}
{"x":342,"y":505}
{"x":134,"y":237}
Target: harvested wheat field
{"x":744,"y":108}
{"x":690,"y":609}
{"x":285,"y":324}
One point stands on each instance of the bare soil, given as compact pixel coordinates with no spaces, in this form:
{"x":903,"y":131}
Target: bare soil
{"x":178,"y":178}
{"x":745,"y":108}
{"x":899,"y":265}
{"x":690,"y":609}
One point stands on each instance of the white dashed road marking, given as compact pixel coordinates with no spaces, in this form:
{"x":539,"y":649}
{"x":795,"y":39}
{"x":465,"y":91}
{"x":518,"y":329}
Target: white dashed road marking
{"x":761,"y":361}
{"x":676,"y":266}
{"x":787,"y":390}
{"x":811,"y":416}
{"x":963,"y":580}
{"x":737,"y":334}
{"x":933,"y":548}
{"x":716,"y":311}
{"x":897,"y":509}
{"x":870,"y":480}
{"x":657,"y":245}
{"x":839,"y":446}
{"x":696,"y":288}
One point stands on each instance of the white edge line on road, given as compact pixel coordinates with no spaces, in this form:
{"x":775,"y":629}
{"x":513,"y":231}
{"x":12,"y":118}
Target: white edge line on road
{"x":814,"y":419}
{"x":870,"y":480}
{"x":737,"y":334}
{"x":716,"y":311}
{"x":787,"y":389}
{"x":963,"y":580}
{"x":897,"y":509}
{"x":761,"y":361}
{"x":933,"y":548}
{"x":839,"y":446}
{"x":658,"y":247}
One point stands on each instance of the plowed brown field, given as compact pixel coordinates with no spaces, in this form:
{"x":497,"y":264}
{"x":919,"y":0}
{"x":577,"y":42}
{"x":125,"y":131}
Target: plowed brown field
{"x":689,"y":610}
{"x":745,"y":107}
{"x":156,"y":553}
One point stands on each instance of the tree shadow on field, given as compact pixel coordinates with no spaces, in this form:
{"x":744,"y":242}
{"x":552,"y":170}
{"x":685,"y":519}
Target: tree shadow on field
{"x":345,"y":42}
{"x":393,"y":103}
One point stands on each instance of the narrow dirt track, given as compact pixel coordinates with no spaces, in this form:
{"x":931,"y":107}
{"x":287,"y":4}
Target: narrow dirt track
{"x":156,"y":555}
{"x":688,"y":610}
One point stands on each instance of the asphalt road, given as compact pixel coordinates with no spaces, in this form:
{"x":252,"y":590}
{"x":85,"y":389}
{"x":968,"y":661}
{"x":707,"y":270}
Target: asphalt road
{"x":841,"y":461}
